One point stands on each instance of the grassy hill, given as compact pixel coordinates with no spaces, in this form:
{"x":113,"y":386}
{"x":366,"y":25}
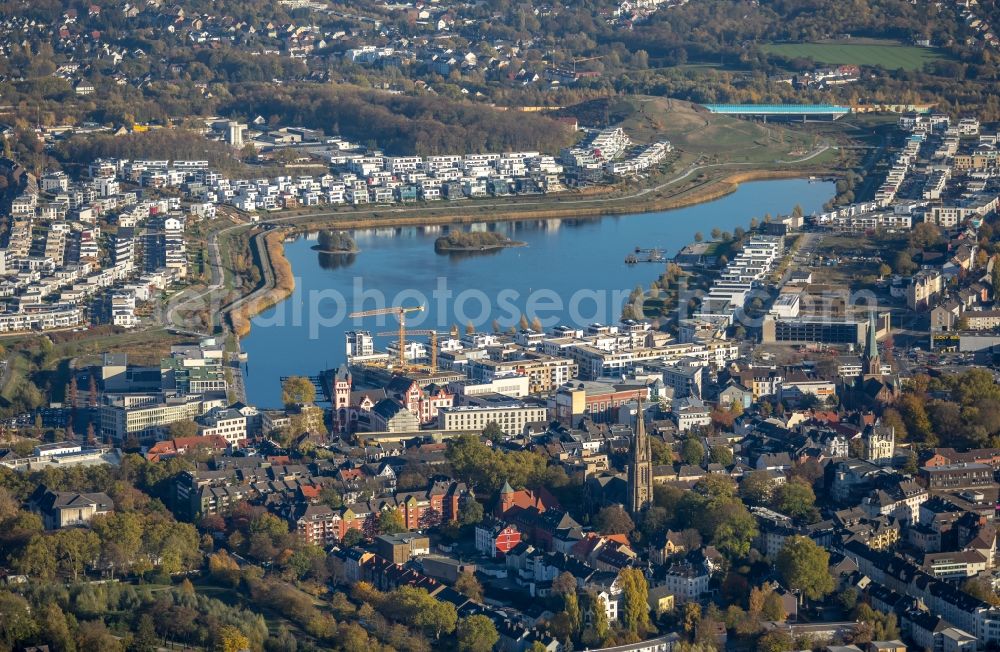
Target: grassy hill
{"x":696,"y":131}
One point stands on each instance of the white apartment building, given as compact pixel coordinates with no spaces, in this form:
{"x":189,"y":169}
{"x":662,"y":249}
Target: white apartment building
{"x":512,"y":418}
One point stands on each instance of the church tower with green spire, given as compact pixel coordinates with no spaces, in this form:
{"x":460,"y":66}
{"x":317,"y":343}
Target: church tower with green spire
{"x":640,"y":467}
{"x":872,"y":361}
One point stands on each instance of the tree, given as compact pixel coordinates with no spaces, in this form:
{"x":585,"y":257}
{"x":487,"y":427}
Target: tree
{"x":848,"y":599}
{"x":54,"y":628}
{"x":925,"y":235}
{"x":471,"y":512}
{"x":876,"y":626}
{"x":692,"y":452}
{"x":477,"y":634}
{"x":232,"y":639}
{"x":977,"y":587}
{"x":795,"y":498}
{"x":352,"y":538}
{"x":613,"y":520}
{"x":16,"y":623}
{"x":903,"y":263}
{"x":8,"y":505}
{"x":564,"y":584}
{"x":692,"y":616}
{"x":803,"y":565}
{"x":390,"y":521}
{"x":183,"y":428}
{"x":93,"y":636}
{"x":775,"y":641}
{"x":224,"y":568}
{"x":774,"y":608}
{"x":756,"y":488}
{"x":571,"y":607}
{"x":715,"y":485}
{"x":731,"y":527}
{"x":635,"y":592}
{"x":891,"y":418}
{"x":417,"y":608}
{"x":493,"y":431}
{"x":297,"y":390}
{"x":470,"y":586}
{"x":721,"y":455}
{"x":598,"y":618}
{"x":913,"y":410}
{"x":145,"y":639}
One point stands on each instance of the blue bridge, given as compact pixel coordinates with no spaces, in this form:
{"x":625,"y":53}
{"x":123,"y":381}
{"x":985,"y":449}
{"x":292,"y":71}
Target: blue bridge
{"x":801,"y":112}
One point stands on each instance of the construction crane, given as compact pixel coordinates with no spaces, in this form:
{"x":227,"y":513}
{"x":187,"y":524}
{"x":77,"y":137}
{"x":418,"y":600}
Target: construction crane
{"x":416,"y":333}
{"x":400,"y":313}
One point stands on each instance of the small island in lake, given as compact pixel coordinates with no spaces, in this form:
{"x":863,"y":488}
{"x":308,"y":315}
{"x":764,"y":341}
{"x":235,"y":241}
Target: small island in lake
{"x":461,"y":241}
{"x":336,"y":242}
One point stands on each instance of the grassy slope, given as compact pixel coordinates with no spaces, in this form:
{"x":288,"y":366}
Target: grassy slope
{"x":721,"y":138}
{"x":891,"y":55}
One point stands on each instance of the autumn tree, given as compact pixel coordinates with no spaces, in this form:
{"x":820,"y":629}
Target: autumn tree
{"x":756,"y":488}
{"x":721,"y":455}
{"x":613,"y":520}
{"x":804,"y":566}
{"x":477,"y":633}
{"x":231,"y":639}
{"x":692,"y":452}
{"x":470,"y":586}
{"x":16,"y":623}
{"x":390,"y":521}
{"x":635,"y":594}
{"x":183,"y":428}
{"x":599,"y":627}
{"x":795,"y":498}
{"x":297,"y":390}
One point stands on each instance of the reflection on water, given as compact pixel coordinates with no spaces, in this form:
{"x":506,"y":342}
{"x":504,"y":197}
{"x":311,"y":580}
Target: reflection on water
{"x":459,"y":255}
{"x":335,"y":261}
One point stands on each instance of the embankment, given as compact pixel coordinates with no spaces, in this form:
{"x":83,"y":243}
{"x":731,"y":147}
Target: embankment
{"x":706,"y":191}
{"x":278,"y":284}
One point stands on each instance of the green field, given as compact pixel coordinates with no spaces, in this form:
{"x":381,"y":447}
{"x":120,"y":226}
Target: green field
{"x":888,"y":54}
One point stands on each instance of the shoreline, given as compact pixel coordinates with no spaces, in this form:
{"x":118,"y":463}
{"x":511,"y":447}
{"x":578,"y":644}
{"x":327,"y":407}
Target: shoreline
{"x":277,"y":285}
{"x":709,"y":191}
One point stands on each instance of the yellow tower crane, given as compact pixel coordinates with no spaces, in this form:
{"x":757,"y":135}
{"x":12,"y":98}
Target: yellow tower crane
{"x":400,"y":312}
{"x":417,"y":333}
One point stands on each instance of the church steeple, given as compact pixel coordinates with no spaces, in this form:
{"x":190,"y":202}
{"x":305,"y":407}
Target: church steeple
{"x":640,"y":467}
{"x":872,"y":361}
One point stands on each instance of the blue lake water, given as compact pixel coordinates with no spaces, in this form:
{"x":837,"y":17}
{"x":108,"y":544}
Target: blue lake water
{"x":571,"y":271}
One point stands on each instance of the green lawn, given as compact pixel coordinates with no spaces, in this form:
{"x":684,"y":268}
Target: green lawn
{"x":891,"y":55}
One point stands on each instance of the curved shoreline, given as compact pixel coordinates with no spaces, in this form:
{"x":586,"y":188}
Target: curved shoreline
{"x":598,"y":207}
{"x":278,"y":284}
{"x":705,"y":193}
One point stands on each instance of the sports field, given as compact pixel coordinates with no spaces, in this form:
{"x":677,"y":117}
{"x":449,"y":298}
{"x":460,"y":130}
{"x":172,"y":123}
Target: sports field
{"x":888,"y":54}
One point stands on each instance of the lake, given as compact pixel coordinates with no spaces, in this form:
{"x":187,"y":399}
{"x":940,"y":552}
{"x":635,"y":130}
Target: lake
{"x":572,"y":271}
